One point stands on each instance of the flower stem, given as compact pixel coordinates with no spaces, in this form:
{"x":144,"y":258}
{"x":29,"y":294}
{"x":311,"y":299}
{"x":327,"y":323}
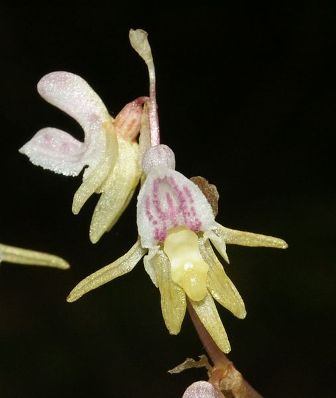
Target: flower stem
{"x":153,"y":108}
{"x":224,"y":375}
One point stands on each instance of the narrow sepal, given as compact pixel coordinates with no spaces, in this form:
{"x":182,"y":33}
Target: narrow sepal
{"x":117,"y":190}
{"x":173,"y":299}
{"x":207,"y":312}
{"x":220,"y":285}
{"x":16,"y":255}
{"x":243,"y":238}
{"x":121,"y":266}
{"x":93,"y":180}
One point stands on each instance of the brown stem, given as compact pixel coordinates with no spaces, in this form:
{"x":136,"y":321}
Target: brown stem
{"x":224,"y":375}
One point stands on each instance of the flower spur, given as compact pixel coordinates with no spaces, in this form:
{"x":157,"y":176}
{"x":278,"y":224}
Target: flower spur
{"x":177,"y":229}
{"x":109,"y":149}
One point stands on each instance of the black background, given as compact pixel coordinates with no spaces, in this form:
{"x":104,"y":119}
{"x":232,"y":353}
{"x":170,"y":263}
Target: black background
{"x":247,"y":98}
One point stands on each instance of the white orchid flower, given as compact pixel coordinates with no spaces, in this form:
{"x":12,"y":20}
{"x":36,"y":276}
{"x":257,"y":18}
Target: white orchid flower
{"x":109,"y":150}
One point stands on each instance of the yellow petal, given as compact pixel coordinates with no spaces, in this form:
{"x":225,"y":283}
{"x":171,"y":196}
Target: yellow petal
{"x":235,"y":237}
{"x":17,"y":255}
{"x":219,"y":284}
{"x":173,"y":299}
{"x":106,"y":274}
{"x":207,"y":312}
{"x":117,"y":190}
{"x":94,"y":181}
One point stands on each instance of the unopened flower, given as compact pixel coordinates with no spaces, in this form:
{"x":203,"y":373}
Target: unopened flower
{"x":17,"y":255}
{"x":177,"y":229}
{"x":202,"y":389}
{"x":109,"y":149}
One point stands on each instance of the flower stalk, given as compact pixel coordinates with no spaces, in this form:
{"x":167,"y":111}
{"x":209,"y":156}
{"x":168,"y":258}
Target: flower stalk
{"x":224,"y":376}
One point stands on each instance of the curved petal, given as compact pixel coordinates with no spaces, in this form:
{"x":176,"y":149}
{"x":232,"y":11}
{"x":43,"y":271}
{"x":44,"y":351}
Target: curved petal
{"x":118,"y":190}
{"x":220,"y":285}
{"x":173,"y":299}
{"x":12,"y":254}
{"x":93,"y":180}
{"x":55,"y":150}
{"x":74,"y":96}
{"x":168,"y":199}
{"x":121,"y":266}
{"x":235,"y":237}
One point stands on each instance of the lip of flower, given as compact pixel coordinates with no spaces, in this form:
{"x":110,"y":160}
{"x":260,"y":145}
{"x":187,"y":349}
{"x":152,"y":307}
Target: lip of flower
{"x":17,"y":255}
{"x":176,"y":225}
{"x":109,"y":148}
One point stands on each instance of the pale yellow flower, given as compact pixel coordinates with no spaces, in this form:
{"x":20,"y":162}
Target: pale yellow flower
{"x":177,"y":229}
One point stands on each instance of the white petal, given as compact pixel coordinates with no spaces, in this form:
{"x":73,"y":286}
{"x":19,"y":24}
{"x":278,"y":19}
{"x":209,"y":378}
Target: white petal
{"x":55,"y":150}
{"x":12,"y":254}
{"x":168,"y":199}
{"x":74,"y":96}
{"x":121,"y":266}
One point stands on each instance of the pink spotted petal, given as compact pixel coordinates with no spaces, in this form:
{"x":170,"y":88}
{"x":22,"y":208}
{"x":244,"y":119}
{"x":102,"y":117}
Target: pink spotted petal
{"x":168,"y":199}
{"x":74,"y":96}
{"x":55,"y":150}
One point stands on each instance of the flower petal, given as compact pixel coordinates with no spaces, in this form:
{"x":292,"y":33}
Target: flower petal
{"x":173,"y":299}
{"x":94,"y":180}
{"x":12,"y":254}
{"x":117,"y":190}
{"x":235,"y":237}
{"x":121,"y":266}
{"x":207,"y":312}
{"x":74,"y":96}
{"x":55,"y":150}
{"x":219,"y":284}
{"x":168,"y":199}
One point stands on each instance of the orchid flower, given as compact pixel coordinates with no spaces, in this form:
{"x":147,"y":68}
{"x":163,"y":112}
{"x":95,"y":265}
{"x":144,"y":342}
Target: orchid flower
{"x":16,"y":255}
{"x":109,"y":149}
{"x":177,"y":229}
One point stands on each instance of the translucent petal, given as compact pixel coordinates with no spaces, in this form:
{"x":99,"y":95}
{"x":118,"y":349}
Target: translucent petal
{"x":235,"y":237}
{"x":56,"y":150}
{"x":219,"y":284}
{"x":74,"y":96}
{"x":121,"y":266}
{"x":168,"y":199}
{"x":173,"y":299}
{"x":207,"y":312}
{"x":17,"y":255}
{"x":94,"y":180}
{"x":202,"y":389}
{"x":117,"y":190}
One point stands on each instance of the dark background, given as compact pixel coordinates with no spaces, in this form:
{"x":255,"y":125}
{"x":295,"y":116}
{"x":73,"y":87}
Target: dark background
{"x":247,"y":98}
